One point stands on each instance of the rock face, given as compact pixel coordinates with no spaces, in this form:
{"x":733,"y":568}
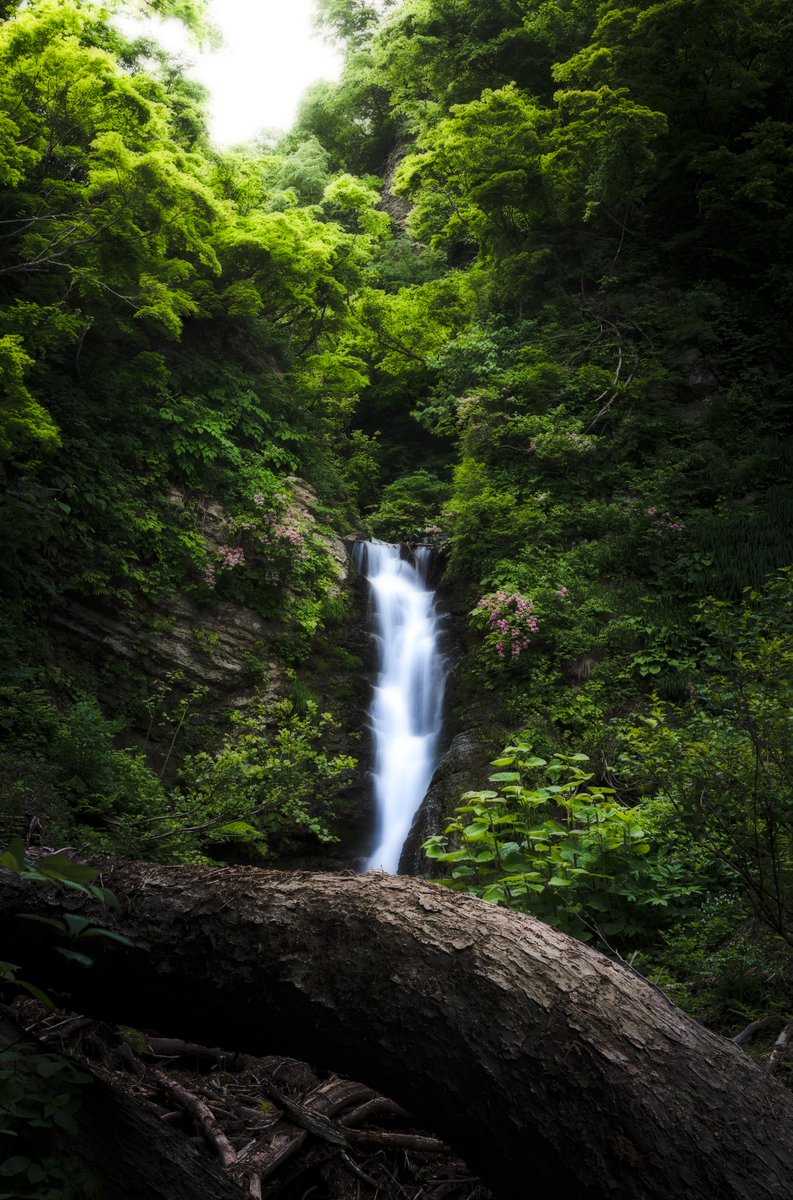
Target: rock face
{"x":397,"y":207}
{"x":221,"y":645}
{"x":235,"y":656}
{"x":463,"y":767}
{"x":225,"y":648}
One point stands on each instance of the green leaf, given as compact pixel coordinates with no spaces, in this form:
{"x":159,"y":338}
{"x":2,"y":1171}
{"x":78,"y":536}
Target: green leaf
{"x":65,"y":1121}
{"x":75,"y":956}
{"x":53,"y":922}
{"x":36,"y":993}
{"x":76,"y":924}
{"x":16,"y":1165}
{"x":61,"y":868}
{"x":110,"y":934}
{"x":14,"y":857}
{"x":47,"y":1066}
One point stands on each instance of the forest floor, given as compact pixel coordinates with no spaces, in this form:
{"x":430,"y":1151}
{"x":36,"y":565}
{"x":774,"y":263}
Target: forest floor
{"x":278,"y":1128}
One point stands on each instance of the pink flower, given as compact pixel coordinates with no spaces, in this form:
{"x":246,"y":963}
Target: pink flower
{"x":232,"y":556}
{"x":510,"y":617}
{"x":258,"y":499}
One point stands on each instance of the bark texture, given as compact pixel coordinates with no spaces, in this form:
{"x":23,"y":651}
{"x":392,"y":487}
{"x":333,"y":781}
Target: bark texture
{"x":551,"y":1069}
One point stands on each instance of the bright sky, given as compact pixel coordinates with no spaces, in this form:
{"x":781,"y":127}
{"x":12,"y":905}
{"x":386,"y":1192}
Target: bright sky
{"x":269,"y":57}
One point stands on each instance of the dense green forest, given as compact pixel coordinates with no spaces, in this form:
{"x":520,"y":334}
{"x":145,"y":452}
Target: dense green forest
{"x":518,"y":284}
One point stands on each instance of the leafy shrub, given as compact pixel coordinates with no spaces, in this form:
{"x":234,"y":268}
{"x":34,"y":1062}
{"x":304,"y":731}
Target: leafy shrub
{"x":725,"y":761}
{"x":410,"y":509}
{"x":273,"y":778}
{"x":566,"y":851}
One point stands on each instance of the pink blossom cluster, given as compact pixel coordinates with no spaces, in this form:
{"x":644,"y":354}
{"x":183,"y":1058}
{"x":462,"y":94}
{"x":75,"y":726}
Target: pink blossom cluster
{"x":511,"y":617}
{"x":229,"y":557}
{"x":282,"y":519}
{"x":288,"y":530}
{"x":232,"y":556}
{"x":563,"y":593}
{"x":288,"y":526}
{"x":663,"y":520}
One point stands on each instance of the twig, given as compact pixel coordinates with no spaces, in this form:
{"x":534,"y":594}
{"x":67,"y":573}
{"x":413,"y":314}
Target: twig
{"x":397,"y":1141}
{"x":203,"y":1117}
{"x":176,"y":1048}
{"x":356,"y":1170}
{"x":377,"y":1107}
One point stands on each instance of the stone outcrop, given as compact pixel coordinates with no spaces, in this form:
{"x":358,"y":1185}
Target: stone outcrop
{"x":226,"y":648}
{"x":464,"y":767}
{"x":224,"y":655}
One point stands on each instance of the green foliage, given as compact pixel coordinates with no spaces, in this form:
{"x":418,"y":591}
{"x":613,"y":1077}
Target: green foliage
{"x":576,"y":311}
{"x":304,"y":172}
{"x":567,"y":851}
{"x":21,"y":417}
{"x":57,"y":870}
{"x":40,"y":1095}
{"x":273,"y":779}
{"x":724,"y":762}
{"x":164,"y":309}
{"x":720,"y":967}
{"x":410,"y":508}
{"x":63,"y":771}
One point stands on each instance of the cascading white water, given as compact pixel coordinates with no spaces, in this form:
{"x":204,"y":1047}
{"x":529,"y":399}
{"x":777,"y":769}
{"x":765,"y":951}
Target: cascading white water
{"x":407,"y":706}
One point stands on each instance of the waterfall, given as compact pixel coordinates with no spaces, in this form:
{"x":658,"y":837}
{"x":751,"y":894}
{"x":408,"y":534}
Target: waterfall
{"x":406,"y":710}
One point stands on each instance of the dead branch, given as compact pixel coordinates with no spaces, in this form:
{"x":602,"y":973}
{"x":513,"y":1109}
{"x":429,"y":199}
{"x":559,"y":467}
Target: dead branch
{"x":747,"y":1034}
{"x":378,"y":1106}
{"x":203,"y":1117}
{"x":314,"y":1122}
{"x":397,"y":1141}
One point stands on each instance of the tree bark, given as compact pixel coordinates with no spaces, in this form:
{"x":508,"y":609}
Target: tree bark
{"x":551,"y":1069}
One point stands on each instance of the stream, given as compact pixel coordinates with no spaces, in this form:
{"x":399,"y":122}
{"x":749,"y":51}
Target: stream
{"x":407,"y":705}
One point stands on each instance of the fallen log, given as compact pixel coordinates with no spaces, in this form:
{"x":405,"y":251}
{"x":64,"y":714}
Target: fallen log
{"x":550,"y":1068}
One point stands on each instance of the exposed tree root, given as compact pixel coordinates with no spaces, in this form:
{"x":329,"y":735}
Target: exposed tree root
{"x":278,"y":1130}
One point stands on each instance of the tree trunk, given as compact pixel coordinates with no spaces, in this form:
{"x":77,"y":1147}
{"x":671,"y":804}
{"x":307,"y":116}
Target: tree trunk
{"x":551,"y":1069}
